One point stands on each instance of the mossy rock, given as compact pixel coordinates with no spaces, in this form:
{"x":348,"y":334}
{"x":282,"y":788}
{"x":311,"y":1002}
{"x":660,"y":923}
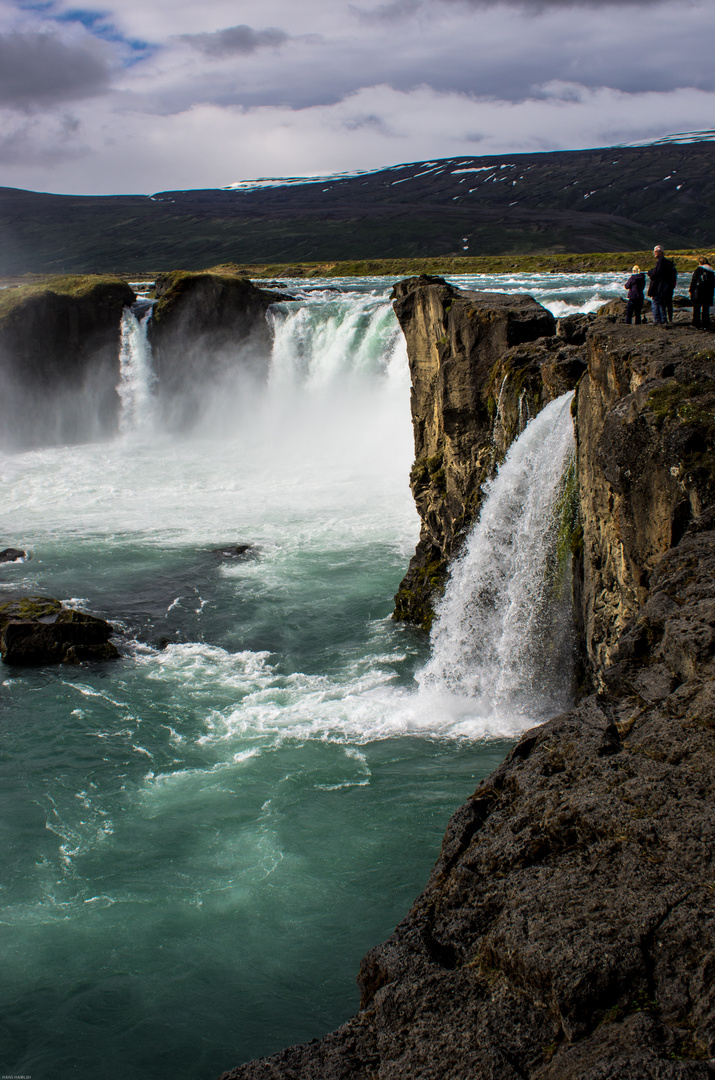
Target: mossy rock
{"x":37,"y":630}
{"x":75,"y":286}
{"x":29,"y":607}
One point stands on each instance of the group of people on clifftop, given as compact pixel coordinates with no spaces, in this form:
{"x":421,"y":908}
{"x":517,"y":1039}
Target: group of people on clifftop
{"x":662,"y":279}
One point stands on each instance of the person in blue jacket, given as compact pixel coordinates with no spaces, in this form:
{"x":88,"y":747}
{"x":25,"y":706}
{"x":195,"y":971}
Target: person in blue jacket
{"x":636,"y":288}
{"x":702,"y":287}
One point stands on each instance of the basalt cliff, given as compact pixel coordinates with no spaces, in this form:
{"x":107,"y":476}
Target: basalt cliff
{"x":567,"y":931}
{"x":60,"y":350}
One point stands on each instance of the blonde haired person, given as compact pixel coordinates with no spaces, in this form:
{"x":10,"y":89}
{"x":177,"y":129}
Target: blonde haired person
{"x":636,"y":288}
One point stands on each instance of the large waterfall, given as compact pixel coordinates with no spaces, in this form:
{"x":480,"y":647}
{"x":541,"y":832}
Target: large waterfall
{"x":504,"y":629}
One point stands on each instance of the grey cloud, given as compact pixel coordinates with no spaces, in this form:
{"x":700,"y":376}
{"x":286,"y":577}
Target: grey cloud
{"x":386,"y":13}
{"x":236,"y":40}
{"x":41,"y":69}
{"x":31,"y":145}
{"x":371,"y":121}
{"x":536,"y":7}
{"x":400,"y":9}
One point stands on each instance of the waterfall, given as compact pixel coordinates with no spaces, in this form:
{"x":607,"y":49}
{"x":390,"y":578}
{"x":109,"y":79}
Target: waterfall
{"x":136,"y":375}
{"x":504,"y":628}
{"x":332,"y":339}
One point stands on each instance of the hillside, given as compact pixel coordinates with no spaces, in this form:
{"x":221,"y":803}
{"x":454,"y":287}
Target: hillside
{"x":614,"y":199}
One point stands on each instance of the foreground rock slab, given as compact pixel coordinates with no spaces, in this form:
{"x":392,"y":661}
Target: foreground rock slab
{"x":39,"y":630}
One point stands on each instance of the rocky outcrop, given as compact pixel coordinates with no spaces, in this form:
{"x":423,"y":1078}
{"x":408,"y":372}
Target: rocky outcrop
{"x":646,"y":465}
{"x":59,"y":343}
{"x":481,"y":365}
{"x":39,"y":630}
{"x":206,"y":327}
{"x":567,"y":931}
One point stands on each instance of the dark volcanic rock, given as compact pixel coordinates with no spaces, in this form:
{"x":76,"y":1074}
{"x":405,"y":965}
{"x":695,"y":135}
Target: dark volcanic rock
{"x":204,"y":328}
{"x":38,"y":630}
{"x":234,"y":551}
{"x":481,"y":365}
{"x":573,"y":328}
{"x":59,"y":360}
{"x":567,"y":931}
{"x":646,"y":445}
{"x":12,"y":555}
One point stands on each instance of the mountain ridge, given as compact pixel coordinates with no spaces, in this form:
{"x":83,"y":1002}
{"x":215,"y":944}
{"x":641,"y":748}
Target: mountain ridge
{"x":608,"y":199}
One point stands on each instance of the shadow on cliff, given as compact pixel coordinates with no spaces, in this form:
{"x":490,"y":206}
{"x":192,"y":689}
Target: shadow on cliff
{"x":567,"y":931}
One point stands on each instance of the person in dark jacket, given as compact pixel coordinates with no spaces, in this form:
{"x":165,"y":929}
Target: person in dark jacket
{"x":663,"y":278}
{"x":702,"y":288}
{"x":636,"y":287}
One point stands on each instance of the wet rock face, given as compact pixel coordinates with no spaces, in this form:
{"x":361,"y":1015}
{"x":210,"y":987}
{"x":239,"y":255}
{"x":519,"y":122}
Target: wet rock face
{"x":38,"y":630}
{"x":59,"y":363}
{"x":481,"y":365}
{"x":205,"y":327}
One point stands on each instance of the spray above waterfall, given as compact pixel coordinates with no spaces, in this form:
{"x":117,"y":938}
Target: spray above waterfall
{"x":504,"y":628}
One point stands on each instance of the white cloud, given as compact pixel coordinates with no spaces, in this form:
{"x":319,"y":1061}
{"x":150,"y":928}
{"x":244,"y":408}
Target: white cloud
{"x":317,"y":87}
{"x":211,"y":146}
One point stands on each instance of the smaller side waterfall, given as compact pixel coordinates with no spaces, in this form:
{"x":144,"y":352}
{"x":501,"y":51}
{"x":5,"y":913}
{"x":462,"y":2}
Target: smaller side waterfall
{"x":136,"y":375}
{"x":504,"y":629}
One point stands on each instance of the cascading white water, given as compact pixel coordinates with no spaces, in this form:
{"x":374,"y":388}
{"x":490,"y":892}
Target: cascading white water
{"x":136,"y":375}
{"x":317,"y":344}
{"x":504,"y":629}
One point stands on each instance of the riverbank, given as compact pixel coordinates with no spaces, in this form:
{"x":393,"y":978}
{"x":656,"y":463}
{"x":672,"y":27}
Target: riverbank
{"x":546,"y":263}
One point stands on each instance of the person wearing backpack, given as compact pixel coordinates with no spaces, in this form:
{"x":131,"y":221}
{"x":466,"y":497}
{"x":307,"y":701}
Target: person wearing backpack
{"x":702,"y":288}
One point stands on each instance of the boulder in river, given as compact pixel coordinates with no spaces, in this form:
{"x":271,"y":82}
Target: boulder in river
{"x":12,"y":554}
{"x":39,"y":630}
{"x":234,"y":551}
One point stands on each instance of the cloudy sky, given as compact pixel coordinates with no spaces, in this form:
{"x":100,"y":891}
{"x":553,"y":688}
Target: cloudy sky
{"x":146,"y":95}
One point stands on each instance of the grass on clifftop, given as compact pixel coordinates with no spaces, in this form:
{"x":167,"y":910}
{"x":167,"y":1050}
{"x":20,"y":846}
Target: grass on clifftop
{"x":77,"y":285}
{"x":618,"y":262}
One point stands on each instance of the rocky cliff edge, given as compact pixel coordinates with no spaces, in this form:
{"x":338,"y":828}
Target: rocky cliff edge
{"x":567,"y":931}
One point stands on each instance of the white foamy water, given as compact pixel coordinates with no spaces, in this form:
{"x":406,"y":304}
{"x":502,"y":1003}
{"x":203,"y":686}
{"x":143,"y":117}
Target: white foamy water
{"x":136,"y":375}
{"x":503,"y":634}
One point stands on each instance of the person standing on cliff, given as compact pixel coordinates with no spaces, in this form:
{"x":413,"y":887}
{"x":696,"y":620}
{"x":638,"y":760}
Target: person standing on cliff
{"x":663,"y":278}
{"x":636,"y":287}
{"x":702,"y":289}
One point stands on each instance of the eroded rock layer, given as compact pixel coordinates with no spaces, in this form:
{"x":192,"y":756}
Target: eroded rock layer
{"x":59,"y":345}
{"x":481,"y":365}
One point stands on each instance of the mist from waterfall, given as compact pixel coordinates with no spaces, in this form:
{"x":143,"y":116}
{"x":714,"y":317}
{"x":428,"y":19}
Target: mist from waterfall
{"x":504,"y":634}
